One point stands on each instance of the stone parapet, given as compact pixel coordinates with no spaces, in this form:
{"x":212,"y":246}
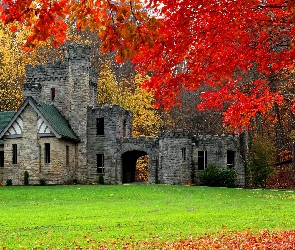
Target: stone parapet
{"x":47,"y":72}
{"x":78,"y":51}
{"x":175,"y":134}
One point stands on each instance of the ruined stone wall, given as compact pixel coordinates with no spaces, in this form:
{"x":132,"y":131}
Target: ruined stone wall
{"x":216,"y":148}
{"x":175,"y":157}
{"x":116,"y":121}
{"x":149,"y":145}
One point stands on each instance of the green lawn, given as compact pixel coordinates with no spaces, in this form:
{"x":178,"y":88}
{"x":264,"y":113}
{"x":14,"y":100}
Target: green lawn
{"x":67,"y":216}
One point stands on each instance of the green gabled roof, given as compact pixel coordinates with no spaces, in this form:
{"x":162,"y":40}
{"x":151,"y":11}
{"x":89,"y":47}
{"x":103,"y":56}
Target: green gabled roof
{"x":57,"y":121}
{"x":5,"y":118}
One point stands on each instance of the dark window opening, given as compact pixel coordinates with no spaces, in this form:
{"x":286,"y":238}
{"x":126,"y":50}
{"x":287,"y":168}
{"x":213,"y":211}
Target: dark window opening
{"x":230,"y":158}
{"x":100,"y":163}
{"x":202,"y":160}
{"x":14,"y":153}
{"x":100,"y":126}
{"x":1,"y":159}
{"x":67,"y":155}
{"x":124,"y":128}
{"x":183,"y":154}
{"x":47,"y":153}
{"x":52,"y":94}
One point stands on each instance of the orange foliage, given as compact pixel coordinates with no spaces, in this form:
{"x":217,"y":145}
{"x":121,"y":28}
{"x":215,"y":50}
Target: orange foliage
{"x":184,"y":43}
{"x":280,"y":240}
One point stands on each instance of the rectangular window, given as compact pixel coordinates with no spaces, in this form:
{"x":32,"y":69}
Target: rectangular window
{"x":1,"y":159}
{"x":14,"y":153}
{"x":124,"y":129}
{"x":230,"y":158}
{"x":47,"y":152}
{"x":100,"y":163}
{"x":100,"y":126}
{"x":52,"y":94}
{"x":67,"y":155}
{"x":202,"y":160}
{"x":183,"y":154}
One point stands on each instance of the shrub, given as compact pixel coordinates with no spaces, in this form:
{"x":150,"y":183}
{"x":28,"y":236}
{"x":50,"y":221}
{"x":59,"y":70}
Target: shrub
{"x":101,"y":179}
{"x":218,"y":177}
{"x":26,"y":178}
{"x":8,"y":182}
{"x":42,"y":182}
{"x":228,"y":177}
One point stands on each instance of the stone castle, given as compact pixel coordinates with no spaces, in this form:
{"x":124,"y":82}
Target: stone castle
{"x":60,"y":134}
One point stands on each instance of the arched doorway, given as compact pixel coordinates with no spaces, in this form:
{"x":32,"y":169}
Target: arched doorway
{"x":129,"y":160}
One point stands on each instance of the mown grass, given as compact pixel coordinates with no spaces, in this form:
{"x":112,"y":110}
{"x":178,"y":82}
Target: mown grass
{"x":57,"y":217}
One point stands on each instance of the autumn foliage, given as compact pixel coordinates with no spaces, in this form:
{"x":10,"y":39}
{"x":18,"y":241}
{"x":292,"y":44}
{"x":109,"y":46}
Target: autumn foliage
{"x":280,"y":240}
{"x":233,"y":48}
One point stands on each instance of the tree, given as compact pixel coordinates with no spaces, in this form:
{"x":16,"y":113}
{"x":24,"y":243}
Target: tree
{"x":261,"y":160}
{"x":185,"y":44}
{"x":129,"y":94}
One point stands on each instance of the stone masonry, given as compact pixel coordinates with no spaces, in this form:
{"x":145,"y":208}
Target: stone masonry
{"x":87,"y":140}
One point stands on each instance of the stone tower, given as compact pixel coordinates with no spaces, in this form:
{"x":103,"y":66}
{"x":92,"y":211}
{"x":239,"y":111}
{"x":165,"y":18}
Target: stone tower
{"x":82,"y":82}
{"x":71,"y":86}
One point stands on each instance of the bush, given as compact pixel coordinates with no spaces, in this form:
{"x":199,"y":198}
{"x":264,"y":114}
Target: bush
{"x":218,"y":177}
{"x":210,"y":176}
{"x":8,"y":182}
{"x":228,"y":177}
{"x":261,"y":160}
{"x":26,"y":178}
{"x":101,"y":179}
{"x":42,"y":182}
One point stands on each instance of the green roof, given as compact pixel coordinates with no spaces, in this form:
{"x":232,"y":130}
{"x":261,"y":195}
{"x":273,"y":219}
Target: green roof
{"x":5,"y":118}
{"x":57,"y":121}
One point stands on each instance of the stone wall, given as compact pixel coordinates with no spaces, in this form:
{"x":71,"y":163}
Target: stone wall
{"x":117,"y":124}
{"x":1,"y":168}
{"x":175,"y":157}
{"x":58,"y":171}
{"x":31,"y":156}
{"x":217,"y":148}
{"x":28,"y":151}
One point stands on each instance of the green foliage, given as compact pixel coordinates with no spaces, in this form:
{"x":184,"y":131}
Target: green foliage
{"x":261,"y":160}
{"x":26,"y":178}
{"x":42,"y":182}
{"x":210,"y":176}
{"x":228,"y":177}
{"x":8,"y":182}
{"x":101,"y":179}
{"x":218,"y":177}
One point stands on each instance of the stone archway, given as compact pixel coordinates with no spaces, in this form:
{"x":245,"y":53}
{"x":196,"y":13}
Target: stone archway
{"x":129,"y":159}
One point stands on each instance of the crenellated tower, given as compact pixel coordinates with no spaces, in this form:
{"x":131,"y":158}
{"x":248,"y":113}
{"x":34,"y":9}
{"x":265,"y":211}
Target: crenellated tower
{"x":71,"y":86}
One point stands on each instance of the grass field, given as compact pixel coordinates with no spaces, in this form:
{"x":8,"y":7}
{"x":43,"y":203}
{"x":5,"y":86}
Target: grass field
{"x":57,"y":217}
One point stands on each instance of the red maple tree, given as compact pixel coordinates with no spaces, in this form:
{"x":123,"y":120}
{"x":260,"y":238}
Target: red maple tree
{"x":233,"y":48}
